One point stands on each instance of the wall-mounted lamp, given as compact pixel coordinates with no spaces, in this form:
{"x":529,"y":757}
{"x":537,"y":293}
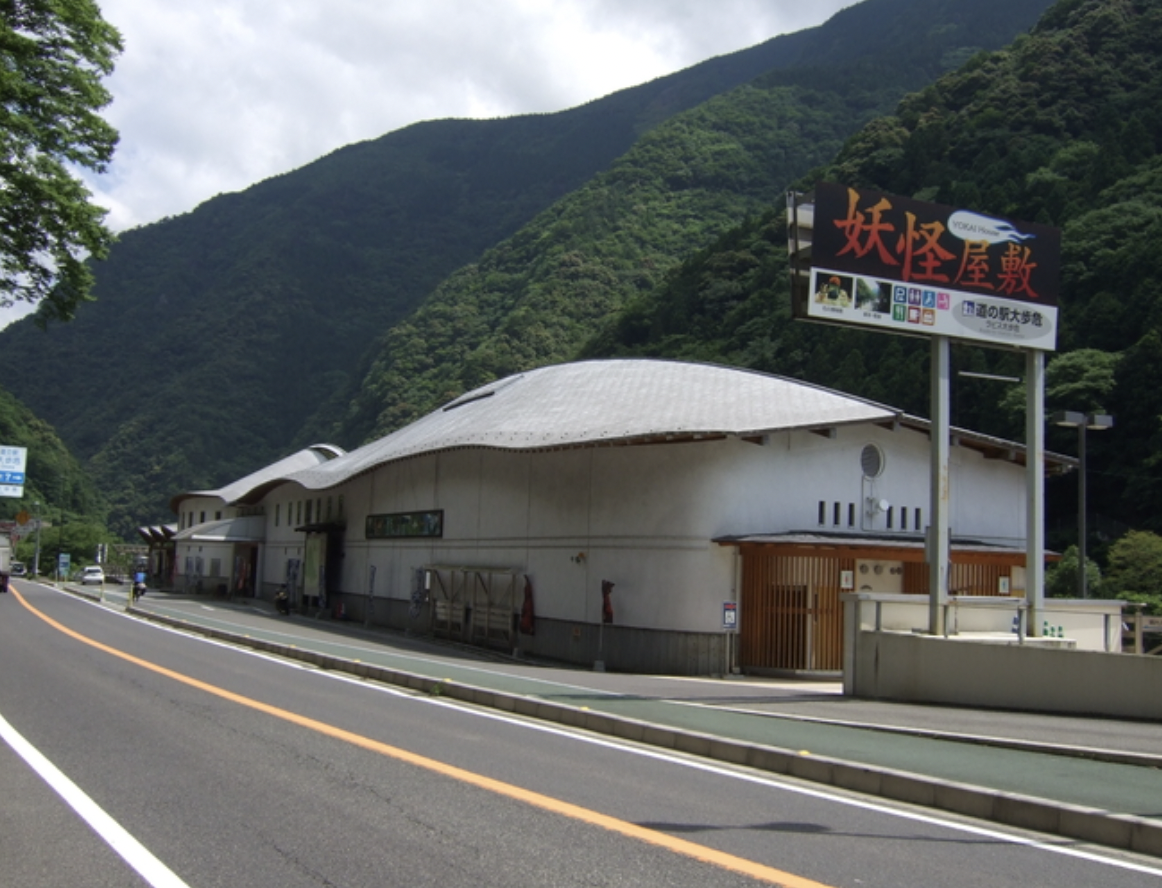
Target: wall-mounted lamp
{"x":579,"y":558}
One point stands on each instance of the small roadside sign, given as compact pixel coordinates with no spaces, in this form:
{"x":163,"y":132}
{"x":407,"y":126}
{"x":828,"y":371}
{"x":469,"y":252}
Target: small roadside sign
{"x":730,"y":615}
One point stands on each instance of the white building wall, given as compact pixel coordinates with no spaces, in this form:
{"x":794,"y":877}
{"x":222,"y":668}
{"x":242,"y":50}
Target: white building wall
{"x":642,"y":516}
{"x":780,"y":485}
{"x":283,"y":543}
{"x":194,"y":511}
{"x":200,"y":509}
{"x":284,"y":509}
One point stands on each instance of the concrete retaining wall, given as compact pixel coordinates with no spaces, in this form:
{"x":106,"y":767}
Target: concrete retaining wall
{"x":926,"y":669}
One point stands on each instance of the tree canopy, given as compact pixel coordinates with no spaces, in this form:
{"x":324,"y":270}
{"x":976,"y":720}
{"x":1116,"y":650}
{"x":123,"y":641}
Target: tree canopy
{"x":53,"y":56}
{"x":1135,"y":572}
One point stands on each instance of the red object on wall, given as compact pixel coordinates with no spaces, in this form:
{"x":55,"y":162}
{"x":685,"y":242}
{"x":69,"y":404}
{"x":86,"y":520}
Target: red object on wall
{"x":606,"y":602}
{"x":528,"y":617}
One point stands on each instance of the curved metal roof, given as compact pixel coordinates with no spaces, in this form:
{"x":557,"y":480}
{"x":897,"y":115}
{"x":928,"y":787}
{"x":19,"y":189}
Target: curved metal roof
{"x":590,"y":403}
{"x":257,"y":481}
{"x":249,"y":529}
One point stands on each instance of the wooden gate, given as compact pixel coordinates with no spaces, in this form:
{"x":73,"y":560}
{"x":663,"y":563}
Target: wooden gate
{"x":791,"y":617}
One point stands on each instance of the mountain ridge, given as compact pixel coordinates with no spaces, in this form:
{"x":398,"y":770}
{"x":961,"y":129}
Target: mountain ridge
{"x":222,"y":335}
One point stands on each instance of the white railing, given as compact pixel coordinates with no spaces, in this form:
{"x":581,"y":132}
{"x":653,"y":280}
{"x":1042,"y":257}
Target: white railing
{"x":1090,"y":624}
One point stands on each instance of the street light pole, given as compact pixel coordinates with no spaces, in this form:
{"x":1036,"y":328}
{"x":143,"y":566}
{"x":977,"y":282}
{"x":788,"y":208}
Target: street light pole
{"x":1082,"y":421}
{"x":36,"y":557}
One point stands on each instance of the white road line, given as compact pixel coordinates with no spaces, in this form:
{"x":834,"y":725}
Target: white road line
{"x":698,"y":764}
{"x":693,"y":762}
{"x":156,"y":873}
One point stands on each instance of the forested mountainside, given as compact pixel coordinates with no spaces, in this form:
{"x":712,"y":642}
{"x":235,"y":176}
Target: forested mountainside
{"x":1063,"y":127}
{"x":537,"y":296}
{"x":57,"y":490}
{"x":217,"y":334}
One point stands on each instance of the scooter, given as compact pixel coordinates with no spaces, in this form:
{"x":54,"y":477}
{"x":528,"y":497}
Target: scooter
{"x":282,"y":602}
{"x":138,"y":590}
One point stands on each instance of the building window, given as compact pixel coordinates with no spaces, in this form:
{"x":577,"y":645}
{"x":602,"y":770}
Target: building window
{"x":310,"y":503}
{"x":201,"y":517}
{"x":916,"y":517}
{"x":851,"y":514}
{"x":822,"y":512}
{"x":835,"y":514}
{"x":891,"y":516}
{"x":218,"y":516}
{"x":903,"y":517}
{"x":277,"y":513}
{"x":299,"y":512}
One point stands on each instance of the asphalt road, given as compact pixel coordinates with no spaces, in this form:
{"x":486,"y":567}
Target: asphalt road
{"x":226,"y":768}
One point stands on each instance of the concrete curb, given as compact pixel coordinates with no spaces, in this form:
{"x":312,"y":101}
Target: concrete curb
{"x":1093,"y":754}
{"x":1094,"y":825}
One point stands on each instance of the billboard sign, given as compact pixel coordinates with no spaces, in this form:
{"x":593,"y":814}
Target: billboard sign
{"x":908,"y":266}
{"x":12,"y":467}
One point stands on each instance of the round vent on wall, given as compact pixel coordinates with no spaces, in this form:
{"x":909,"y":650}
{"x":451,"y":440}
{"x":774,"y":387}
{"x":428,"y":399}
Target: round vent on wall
{"x":871,"y":460}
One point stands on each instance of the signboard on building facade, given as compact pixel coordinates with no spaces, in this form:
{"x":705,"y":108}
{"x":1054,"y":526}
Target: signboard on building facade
{"x":12,"y":467}
{"x":908,"y":266}
{"x":405,"y":524}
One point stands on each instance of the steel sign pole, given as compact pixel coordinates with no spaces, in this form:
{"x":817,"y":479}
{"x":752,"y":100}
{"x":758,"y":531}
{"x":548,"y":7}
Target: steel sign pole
{"x":1035,"y":487}
{"x":1082,"y":584}
{"x":938,"y":529}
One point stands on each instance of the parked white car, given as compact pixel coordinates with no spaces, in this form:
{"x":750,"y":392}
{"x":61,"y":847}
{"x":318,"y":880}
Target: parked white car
{"x":92,"y":576}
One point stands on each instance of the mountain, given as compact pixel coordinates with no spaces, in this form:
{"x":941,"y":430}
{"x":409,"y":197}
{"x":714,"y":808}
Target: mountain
{"x":58,"y":490}
{"x":220,"y":337}
{"x":537,"y":296}
{"x":1063,"y":127}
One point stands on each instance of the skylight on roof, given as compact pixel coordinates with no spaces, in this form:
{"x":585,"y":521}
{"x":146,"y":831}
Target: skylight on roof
{"x":480,"y":395}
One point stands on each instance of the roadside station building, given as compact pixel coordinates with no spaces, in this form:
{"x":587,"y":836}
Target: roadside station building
{"x":647,"y":515}
{"x":219,"y":538}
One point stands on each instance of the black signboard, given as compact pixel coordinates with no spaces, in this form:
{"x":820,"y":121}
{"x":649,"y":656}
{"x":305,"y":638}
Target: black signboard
{"x":922,"y":268}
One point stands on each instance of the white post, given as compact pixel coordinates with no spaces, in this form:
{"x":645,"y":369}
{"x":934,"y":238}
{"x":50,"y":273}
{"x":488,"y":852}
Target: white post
{"x":938,"y":529}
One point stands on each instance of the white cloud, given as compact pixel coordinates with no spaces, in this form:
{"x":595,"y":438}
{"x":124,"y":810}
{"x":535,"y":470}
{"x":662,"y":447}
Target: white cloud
{"x":213,"y":95}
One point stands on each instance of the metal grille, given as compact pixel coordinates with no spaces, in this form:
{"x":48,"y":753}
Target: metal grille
{"x":871,"y":460}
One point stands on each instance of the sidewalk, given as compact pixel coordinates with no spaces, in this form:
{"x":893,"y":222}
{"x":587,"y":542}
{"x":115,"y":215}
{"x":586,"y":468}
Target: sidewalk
{"x":1095,"y":780}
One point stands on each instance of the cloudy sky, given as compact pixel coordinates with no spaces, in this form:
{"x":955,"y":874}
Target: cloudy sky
{"x":211,"y":96}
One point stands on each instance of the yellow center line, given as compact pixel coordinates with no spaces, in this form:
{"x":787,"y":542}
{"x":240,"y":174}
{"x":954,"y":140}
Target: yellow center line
{"x":547,"y":803}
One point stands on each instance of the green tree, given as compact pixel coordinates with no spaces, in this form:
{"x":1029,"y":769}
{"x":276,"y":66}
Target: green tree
{"x":53,"y":55}
{"x":1135,"y":569}
{"x":1081,"y":380}
{"x":1061,"y":578}
{"x":1136,"y":563}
